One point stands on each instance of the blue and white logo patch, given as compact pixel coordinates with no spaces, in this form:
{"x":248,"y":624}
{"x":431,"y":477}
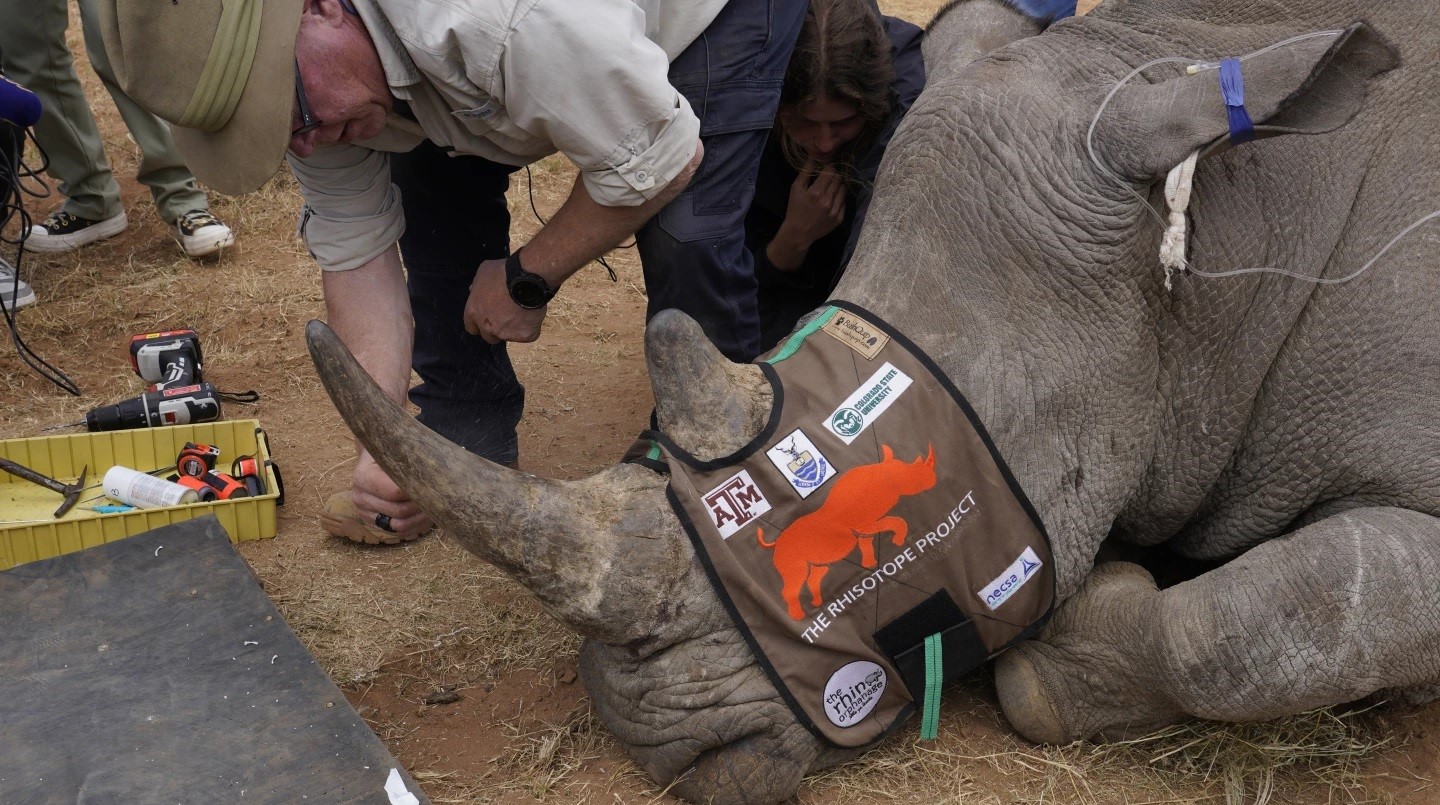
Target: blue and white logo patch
{"x":801,"y":462}
{"x":1020,"y":571}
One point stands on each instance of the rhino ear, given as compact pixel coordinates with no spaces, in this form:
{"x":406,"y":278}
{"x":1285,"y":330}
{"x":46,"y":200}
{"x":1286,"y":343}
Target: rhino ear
{"x":1311,"y":86}
{"x":964,"y":30}
{"x":886,"y":453}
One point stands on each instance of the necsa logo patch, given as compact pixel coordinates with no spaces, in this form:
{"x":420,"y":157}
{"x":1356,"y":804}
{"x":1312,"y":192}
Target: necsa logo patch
{"x":1006,"y":584}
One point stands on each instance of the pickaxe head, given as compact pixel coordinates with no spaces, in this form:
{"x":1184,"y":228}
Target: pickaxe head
{"x":72,"y":492}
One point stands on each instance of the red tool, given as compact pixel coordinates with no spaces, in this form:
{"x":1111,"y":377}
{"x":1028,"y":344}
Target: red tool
{"x":218,"y":485}
{"x":204,"y":490}
{"x":196,"y":459}
{"x":248,"y":471}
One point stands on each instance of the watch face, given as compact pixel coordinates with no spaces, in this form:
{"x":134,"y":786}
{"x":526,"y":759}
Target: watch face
{"x":529,"y":292}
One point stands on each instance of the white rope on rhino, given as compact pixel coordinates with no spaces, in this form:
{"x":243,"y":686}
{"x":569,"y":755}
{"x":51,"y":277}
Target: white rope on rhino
{"x":1177,"y":200}
{"x":1173,"y":244}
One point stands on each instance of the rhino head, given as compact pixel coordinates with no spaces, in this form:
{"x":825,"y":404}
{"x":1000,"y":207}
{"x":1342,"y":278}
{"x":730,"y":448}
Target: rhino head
{"x":667,"y":671}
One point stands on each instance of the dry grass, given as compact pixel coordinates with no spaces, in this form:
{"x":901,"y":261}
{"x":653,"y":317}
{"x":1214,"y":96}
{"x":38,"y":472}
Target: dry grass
{"x":446,"y":617}
{"x":1255,"y":762}
{"x":1313,"y":757}
{"x":538,"y":763}
{"x":544,"y":761}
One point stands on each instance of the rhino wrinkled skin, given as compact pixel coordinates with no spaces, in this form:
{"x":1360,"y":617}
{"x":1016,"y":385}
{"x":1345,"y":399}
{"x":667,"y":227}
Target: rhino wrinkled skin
{"x":1286,"y":426}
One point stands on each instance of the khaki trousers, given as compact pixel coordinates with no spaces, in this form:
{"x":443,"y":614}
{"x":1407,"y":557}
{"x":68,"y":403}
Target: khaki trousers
{"x":33,"y":54}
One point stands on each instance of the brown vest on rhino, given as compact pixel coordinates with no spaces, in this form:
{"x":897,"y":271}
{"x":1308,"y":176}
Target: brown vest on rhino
{"x":867,"y":441}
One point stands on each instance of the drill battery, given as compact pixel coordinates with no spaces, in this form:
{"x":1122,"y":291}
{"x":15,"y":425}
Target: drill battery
{"x":167,"y":359}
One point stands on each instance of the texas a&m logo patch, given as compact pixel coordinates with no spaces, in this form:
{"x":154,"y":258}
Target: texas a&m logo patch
{"x":735,"y":503}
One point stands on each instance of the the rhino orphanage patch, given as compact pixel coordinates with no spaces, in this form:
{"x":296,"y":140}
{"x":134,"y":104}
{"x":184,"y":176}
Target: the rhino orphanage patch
{"x":870,"y":543}
{"x":853,"y":691}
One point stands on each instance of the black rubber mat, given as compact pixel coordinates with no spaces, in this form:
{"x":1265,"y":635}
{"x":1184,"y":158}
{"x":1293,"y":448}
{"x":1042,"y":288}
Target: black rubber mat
{"x":155,"y":670}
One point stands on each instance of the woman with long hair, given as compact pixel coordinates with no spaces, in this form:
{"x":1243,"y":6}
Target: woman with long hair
{"x":852,"y":76}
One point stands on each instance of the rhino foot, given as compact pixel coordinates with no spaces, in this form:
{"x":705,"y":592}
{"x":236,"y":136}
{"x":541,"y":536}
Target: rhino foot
{"x":1092,"y":670}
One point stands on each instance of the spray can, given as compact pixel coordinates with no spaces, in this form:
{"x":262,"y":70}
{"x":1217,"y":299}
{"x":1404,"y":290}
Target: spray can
{"x":145,"y":491}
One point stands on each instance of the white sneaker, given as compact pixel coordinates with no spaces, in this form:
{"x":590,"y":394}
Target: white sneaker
{"x":202,"y":234}
{"x":63,"y":232}
{"x":14,"y":293}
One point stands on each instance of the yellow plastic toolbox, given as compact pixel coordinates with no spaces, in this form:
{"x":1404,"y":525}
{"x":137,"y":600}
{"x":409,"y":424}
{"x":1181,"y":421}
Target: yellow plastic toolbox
{"x":30,"y":531}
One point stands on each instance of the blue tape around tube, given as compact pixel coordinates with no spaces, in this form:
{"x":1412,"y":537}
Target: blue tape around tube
{"x":1232,"y":87}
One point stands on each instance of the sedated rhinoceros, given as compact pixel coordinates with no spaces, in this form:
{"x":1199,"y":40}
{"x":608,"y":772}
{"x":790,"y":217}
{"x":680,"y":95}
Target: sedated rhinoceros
{"x":1290,"y":427}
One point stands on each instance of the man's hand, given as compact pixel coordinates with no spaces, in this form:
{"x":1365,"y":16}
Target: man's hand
{"x":374,"y":493}
{"x":490,"y":312}
{"x":816,"y":207}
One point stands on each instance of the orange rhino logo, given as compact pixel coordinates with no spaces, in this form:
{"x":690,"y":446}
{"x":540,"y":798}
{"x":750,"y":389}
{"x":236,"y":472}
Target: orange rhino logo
{"x":855,"y":512}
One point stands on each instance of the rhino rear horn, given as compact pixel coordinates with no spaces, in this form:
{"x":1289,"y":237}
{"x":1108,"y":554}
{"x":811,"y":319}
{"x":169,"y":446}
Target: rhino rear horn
{"x":574,"y":545}
{"x":707,"y":404}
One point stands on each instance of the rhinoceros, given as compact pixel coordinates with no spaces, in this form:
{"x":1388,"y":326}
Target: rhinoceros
{"x":1285,"y":427}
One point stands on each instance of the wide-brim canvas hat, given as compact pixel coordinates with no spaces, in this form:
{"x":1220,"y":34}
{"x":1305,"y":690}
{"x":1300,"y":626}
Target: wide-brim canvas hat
{"x":220,"y":71}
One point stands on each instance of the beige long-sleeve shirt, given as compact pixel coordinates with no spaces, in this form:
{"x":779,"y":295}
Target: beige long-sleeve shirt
{"x":512,"y":81}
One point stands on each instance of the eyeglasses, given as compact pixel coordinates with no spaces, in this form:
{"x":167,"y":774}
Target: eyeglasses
{"x":308,"y":122}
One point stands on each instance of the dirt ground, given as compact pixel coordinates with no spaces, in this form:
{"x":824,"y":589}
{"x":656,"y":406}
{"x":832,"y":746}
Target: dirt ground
{"x":471,"y":686}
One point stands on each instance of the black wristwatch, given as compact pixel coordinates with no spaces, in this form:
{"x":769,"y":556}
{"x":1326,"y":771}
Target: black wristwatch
{"x":527,"y":290}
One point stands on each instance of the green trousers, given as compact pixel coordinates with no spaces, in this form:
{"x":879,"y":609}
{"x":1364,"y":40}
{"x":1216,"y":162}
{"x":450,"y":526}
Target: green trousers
{"x":32,"y":47}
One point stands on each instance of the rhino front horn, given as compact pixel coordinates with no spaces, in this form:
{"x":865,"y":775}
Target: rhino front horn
{"x":572,"y":544}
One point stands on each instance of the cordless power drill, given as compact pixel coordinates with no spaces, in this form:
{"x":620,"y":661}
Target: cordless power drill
{"x":170,"y":362}
{"x":182,"y":405}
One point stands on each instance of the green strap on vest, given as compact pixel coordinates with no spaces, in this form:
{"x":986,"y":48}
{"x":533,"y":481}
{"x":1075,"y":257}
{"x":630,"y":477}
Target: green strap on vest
{"x":797,"y":338}
{"x":934,"y":679}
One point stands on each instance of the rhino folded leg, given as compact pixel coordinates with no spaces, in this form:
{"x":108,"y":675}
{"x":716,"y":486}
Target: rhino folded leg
{"x":1334,"y":612}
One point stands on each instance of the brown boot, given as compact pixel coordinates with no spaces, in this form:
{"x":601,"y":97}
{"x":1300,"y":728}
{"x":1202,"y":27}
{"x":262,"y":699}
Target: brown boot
{"x":340,"y":519}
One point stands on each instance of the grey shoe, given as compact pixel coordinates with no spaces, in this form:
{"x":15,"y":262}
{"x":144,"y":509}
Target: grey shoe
{"x":63,"y":232}
{"x":15,"y":293}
